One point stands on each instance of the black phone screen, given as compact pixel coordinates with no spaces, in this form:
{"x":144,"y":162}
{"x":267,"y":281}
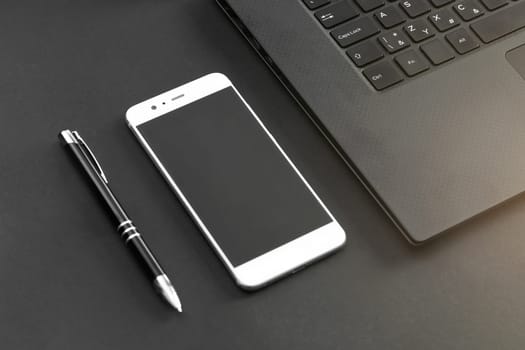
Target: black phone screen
{"x":234,"y":176}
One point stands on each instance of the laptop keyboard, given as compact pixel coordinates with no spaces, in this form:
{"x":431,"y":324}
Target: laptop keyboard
{"x":393,"y":40}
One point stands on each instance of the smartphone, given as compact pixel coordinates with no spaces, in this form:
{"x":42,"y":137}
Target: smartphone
{"x":250,"y":201}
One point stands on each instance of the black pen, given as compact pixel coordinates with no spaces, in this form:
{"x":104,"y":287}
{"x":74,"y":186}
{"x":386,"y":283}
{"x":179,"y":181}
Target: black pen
{"x":127,"y":230}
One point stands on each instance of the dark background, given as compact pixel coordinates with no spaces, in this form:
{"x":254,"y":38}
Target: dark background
{"x":66,"y":282}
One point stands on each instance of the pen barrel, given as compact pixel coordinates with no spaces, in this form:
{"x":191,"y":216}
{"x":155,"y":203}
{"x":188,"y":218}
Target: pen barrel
{"x":134,"y":241}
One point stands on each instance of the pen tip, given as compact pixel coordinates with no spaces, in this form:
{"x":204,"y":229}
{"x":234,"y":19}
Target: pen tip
{"x":172,"y":299}
{"x":175,"y":303}
{"x":168,"y":292}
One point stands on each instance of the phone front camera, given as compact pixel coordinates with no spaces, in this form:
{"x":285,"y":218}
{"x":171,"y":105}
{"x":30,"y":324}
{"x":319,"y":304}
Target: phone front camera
{"x":154,"y":107}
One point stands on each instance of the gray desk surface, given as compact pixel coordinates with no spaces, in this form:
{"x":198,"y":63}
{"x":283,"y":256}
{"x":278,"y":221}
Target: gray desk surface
{"x":66,"y":282}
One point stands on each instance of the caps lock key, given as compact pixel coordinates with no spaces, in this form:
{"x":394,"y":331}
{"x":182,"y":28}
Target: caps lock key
{"x":355,"y":31}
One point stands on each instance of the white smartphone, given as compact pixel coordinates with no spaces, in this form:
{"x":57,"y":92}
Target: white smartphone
{"x":249,"y":200}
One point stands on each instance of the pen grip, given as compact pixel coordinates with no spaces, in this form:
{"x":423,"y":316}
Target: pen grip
{"x":101,"y":186}
{"x":134,"y":241}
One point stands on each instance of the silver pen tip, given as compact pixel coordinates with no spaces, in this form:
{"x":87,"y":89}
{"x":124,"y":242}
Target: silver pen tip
{"x":166,"y":289}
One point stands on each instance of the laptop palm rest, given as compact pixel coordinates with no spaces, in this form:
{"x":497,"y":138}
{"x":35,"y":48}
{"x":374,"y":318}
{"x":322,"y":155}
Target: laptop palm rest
{"x":516,"y":58}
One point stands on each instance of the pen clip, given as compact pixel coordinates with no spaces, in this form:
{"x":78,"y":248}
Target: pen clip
{"x":84,"y":145}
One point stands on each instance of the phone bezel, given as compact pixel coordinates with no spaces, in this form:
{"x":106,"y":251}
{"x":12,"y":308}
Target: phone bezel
{"x":275,"y":263}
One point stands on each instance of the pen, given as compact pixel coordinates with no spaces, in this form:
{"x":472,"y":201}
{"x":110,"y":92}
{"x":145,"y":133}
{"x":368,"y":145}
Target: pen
{"x":125,"y":227}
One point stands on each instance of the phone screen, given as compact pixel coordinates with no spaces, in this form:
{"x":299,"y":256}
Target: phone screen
{"x":234,"y":176}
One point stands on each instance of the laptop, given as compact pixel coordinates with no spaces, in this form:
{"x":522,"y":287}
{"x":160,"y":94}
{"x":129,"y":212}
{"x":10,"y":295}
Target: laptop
{"x":424,"y":99}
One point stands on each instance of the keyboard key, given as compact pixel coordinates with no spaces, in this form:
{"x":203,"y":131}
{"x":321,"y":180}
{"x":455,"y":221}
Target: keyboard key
{"x":415,"y":8}
{"x":369,"y":5}
{"x":412,"y":63}
{"x":355,"y":31}
{"x":439,"y":3}
{"x":419,"y":30}
{"x":437,"y":51}
{"x":494,"y":4}
{"x":389,"y":17}
{"x":444,"y":20}
{"x":501,"y":23}
{"x":335,"y":14}
{"x":313,"y":4}
{"x":462,"y":41}
{"x":365,"y":53}
{"x":394,"y":41}
{"x":382,"y":75}
{"x":468,"y":10}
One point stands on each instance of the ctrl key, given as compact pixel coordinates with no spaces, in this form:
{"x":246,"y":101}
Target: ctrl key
{"x":382,"y":75}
